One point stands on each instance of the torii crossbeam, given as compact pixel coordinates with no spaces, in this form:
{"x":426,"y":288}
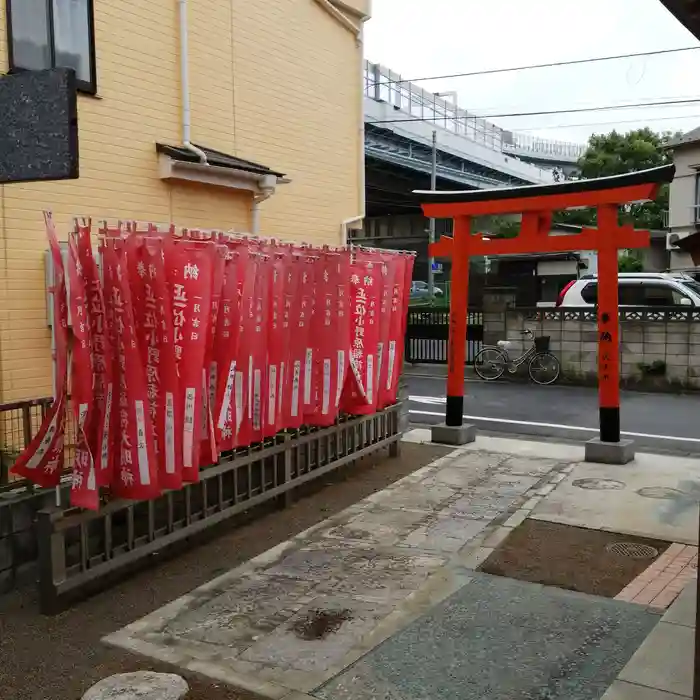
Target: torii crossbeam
{"x":537,"y":203}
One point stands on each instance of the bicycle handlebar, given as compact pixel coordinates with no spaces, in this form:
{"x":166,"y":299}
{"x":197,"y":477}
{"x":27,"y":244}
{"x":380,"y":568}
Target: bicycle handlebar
{"x":527,"y":332}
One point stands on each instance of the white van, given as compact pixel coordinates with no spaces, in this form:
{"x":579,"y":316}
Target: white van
{"x":636,"y":289}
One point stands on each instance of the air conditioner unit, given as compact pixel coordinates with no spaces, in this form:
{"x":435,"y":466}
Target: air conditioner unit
{"x":49,"y":276}
{"x":672,"y":241}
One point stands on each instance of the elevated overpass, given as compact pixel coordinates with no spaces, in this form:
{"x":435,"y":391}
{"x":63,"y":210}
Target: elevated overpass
{"x":400,"y":117}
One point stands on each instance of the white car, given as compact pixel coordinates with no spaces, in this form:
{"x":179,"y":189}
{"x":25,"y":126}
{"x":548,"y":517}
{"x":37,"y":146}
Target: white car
{"x":420,"y":290}
{"x":636,"y":289}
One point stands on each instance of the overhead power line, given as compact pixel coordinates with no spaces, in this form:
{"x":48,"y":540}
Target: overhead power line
{"x":696,"y":117}
{"x":577,"y":110}
{"x":554,"y":64}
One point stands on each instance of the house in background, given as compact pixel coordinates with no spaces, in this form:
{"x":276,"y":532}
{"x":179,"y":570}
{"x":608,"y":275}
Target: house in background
{"x":235,"y":114}
{"x":683,"y":241}
{"x":683,"y":237}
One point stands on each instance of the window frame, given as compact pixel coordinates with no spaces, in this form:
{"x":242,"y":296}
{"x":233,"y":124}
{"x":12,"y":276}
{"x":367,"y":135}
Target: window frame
{"x":87,"y":87}
{"x":640,"y":284}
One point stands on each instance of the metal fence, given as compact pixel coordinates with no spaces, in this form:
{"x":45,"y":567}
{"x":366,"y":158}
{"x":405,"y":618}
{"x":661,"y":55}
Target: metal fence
{"x":82,"y":551}
{"x":427,"y":336}
{"x":19,"y":423}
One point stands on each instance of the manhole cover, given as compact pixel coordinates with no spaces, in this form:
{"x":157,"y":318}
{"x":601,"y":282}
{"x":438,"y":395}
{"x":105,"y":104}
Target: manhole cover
{"x":660,"y":492}
{"x":633,"y":550}
{"x":318,"y":624}
{"x":599,"y":484}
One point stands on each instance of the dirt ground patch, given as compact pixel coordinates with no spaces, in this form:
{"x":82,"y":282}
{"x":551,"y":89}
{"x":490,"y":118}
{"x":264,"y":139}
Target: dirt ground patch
{"x":572,"y":557}
{"x":59,"y":658}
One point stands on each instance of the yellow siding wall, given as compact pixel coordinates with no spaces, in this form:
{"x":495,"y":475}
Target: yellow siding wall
{"x":298,"y":105}
{"x":4,"y":314}
{"x":277,"y":83}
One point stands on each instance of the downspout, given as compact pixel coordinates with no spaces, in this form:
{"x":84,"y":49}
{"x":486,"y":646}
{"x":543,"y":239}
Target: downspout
{"x":185,"y":86}
{"x":258,"y":199}
{"x":362,"y":184}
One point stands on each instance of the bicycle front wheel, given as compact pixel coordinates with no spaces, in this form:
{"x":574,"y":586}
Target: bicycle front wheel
{"x":490,"y":363}
{"x":544,"y":368}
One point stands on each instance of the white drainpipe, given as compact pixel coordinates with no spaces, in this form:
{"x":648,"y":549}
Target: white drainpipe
{"x":185,"y":86}
{"x":258,"y":199}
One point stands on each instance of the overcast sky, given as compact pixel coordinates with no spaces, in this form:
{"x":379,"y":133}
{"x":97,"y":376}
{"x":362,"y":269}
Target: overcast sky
{"x":419,"y":38}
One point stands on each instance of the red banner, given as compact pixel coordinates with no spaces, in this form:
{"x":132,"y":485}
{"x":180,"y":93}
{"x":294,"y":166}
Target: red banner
{"x":209,"y":450}
{"x":365,"y":303}
{"x":329,"y":328}
{"x":191,"y":347}
{"x":290,"y":367}
{"x":386,"y":350}
{"x":300,"y":355}
{"x":99,"y":432}
{"x":252,"y":353}
{"x":84,"y":492}
{"x":277,"y":340}
{"x":391,"y":311}
{"x":189,"y":269}
{"x":136,"y":475}
{"x":42,"y":460}
{"x":226,"y":350}
{"x":155,"y":332}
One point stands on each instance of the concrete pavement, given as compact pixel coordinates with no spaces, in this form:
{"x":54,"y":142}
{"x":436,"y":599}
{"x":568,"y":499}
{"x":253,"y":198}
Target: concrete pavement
{"x":383,"y":600}
{"x":662,"y":667}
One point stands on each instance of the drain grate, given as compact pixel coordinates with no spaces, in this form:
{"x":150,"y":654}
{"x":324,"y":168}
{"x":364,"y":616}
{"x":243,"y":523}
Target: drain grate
{"x":660,"y":492}
{"x":599,"y":484}
{"x":633,"y":550}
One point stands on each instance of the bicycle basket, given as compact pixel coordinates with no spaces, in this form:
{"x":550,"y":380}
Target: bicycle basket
{"x":542,"y":343}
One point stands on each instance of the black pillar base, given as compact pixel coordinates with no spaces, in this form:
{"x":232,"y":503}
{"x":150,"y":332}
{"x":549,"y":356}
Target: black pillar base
{"x":610,"y":424}
{"x":454,"y":410}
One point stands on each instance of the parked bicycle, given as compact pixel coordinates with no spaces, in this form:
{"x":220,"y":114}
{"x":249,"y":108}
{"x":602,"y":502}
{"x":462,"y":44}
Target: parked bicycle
{"x":543,"y":368}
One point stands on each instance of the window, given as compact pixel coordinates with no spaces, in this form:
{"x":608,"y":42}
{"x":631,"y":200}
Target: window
{"x":53,"y":34}
{"x":692,"y":284}
{"x":590,"y":293}
{"x":638,"y":294}
{"x":646,"y":294}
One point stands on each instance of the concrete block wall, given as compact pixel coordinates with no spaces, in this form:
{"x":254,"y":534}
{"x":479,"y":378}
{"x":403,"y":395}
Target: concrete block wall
{"x":18,"y":542}
{"x":658,"y":354}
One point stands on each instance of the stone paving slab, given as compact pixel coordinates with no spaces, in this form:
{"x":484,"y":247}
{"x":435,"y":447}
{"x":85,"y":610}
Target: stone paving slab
{"x":501,"y":639}
{"x":620,"y":690}
{"x":654,"y":496}
{"x":296,"y":616}
{"x":664,"y":661}
{"x":662,"y":667}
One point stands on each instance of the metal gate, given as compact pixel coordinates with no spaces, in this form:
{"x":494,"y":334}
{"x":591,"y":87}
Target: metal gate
{"x":427,"y":333}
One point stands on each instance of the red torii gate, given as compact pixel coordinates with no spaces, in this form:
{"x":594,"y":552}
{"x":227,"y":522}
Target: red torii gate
{"x":537,"y":203}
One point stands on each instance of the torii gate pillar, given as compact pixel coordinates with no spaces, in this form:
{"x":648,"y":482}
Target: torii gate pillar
{"x":536,"y":204}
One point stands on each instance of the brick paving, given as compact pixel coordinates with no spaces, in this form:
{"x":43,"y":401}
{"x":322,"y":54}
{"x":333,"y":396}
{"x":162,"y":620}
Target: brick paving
{"x":660,"y":584}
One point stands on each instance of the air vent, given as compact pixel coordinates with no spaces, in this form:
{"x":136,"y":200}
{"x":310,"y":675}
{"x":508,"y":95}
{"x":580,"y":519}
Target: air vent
{"x":672,"y":241}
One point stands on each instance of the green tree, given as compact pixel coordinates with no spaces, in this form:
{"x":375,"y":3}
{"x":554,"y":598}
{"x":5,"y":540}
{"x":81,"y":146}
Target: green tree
{"x":617,"y":154}
{"x":629,"y":262}
{"x":498,"y":226}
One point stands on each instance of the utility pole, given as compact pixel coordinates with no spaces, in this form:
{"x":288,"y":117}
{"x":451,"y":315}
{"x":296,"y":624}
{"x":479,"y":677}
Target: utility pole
{"x":431,"y":229}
